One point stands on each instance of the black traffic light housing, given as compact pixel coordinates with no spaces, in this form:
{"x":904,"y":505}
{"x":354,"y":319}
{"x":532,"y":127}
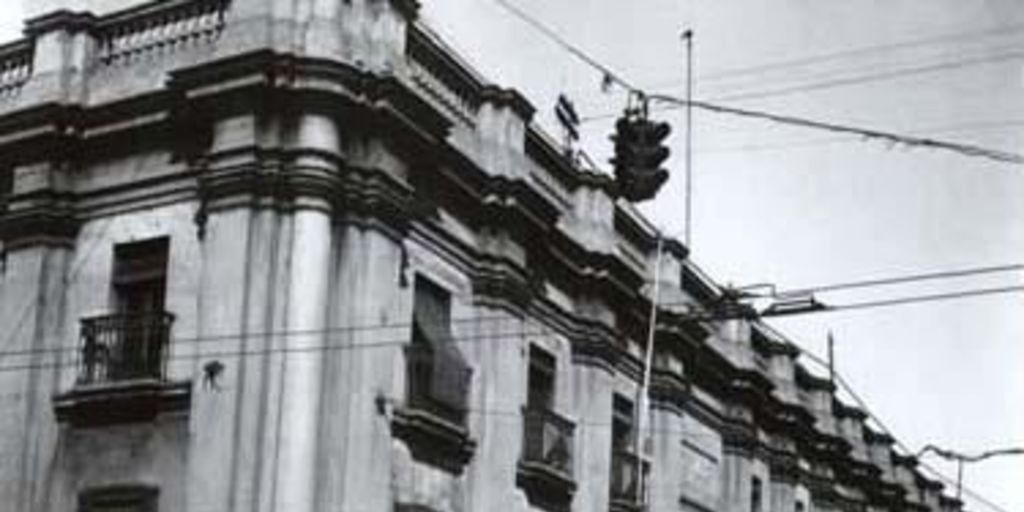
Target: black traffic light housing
{"x":639,"y":154}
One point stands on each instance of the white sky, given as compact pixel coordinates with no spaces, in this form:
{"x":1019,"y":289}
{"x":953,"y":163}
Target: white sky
{"x":783,"y":205}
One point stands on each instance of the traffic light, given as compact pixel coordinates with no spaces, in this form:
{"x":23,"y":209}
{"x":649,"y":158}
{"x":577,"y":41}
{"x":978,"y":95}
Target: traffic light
{"x":639,"y":154}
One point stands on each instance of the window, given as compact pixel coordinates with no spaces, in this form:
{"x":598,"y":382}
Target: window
{"x":6,"y":187}
{"x":622,"y":423}
{"x":140,"y":276}
{"x":439,"y":376}
{"x":131,"y":342}
{"x":755,"y":494}
{"x":120,"y":498}
{"x":629,"y":471}
{"x":541,"y":380}
{"x":545,"y":471}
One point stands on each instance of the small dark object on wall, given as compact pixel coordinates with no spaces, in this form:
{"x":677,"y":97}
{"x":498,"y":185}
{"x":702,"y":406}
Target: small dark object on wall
{"x":211,"y":372}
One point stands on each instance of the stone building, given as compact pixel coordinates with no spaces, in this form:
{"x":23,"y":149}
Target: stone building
{"x":294,"y":255}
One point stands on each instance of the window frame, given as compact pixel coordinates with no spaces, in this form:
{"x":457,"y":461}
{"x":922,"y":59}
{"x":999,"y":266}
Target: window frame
{"x":543,"y":364}
{"x":756,"y":494}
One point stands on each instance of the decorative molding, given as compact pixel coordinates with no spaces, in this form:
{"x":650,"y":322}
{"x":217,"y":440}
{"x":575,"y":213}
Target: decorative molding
{"x":43,"y":217}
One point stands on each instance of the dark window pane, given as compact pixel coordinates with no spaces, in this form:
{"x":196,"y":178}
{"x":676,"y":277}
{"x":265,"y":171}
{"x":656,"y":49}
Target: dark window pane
{"x":622,"y":423}
{"x":6,"y":187}
{"x":141,"y":261}
{"x":755,"y":494}
{"x":541,"y":380}
{"x":140,"y":276}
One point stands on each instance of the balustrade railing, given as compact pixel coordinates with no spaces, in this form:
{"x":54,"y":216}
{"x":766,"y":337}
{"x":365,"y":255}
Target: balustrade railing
{"x":441,"y":80}
{"x":124,"y":347}
{"x":165,"y":26}
{"x":548,"y":440}
{"x":15,"y":66}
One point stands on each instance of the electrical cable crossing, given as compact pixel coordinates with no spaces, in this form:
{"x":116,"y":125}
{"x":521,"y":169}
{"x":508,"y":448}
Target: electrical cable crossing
{"x":609,"y":76}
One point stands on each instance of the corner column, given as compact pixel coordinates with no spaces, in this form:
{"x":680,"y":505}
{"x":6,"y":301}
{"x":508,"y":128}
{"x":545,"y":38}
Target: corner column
{"x":306,"y":314}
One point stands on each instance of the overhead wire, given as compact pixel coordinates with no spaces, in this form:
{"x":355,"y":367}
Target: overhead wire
{"x":888,"y":48}
{"x":566,"y":45}
{"x":860,"y":284}
{"x":803,"y":143}
{"x":520,"y":334}
{"x":911,"y":278}
{"x":855,"y":52}
{"x":891,"y":137}
{"x":846,"y":78}
{"x":870,"y":77}
{"x":969,"y":150}
{"x":900,"y":301}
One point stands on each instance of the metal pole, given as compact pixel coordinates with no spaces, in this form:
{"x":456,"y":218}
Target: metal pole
{"x":641,"y":490}
{"x":688,"y":36}
{"x":959,"y":476}
{"x":831,"y":360}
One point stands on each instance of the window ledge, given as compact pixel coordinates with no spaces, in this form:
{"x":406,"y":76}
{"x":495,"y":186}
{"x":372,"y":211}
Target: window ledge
{"x":547,"y":486}
{"x":129,"y":401}
{"x":624,"y":505}
{"x":433,"y":439}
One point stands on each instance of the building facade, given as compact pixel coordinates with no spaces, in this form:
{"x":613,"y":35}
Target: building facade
{"x":294,"y":255}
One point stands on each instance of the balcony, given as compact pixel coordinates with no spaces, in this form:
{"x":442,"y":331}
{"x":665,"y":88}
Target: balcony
{"x":433,"y":420}
{"x":122,"y":372}
{"x":545,"y":468}
{"x":124,"y":347}
{"x":626,"y":481}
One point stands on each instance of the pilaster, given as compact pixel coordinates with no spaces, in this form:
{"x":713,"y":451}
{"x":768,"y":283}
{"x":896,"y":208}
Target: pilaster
{"x":592,"y":398}
{"x":63,"y":45}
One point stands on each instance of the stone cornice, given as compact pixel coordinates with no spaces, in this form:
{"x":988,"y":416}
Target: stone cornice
{"x":507,"y":97}
{"x":63,"y":19}
{"x":48,"y":220}
{"x":805,"y":380}
{"x":842,"y":411}
{"x":874,"y":437}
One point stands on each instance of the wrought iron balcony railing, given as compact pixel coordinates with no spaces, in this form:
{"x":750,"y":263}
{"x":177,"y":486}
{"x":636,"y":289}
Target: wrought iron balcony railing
{"x":124,"y":347}
{"x":628,"y":473}
{"x":548,"y":441}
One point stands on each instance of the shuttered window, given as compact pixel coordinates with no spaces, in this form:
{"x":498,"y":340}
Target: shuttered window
{"x":445,"y":372}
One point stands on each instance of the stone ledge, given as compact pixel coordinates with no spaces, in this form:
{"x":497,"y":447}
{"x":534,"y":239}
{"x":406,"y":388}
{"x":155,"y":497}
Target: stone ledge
{"x":432,"y":439}
{"x":545,"y":486}
{"x":131,"y":401}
